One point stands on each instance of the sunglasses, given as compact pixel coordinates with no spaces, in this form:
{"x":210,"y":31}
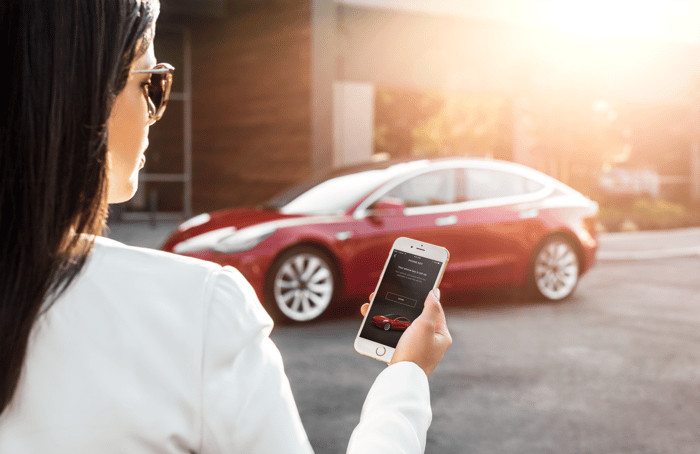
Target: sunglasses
{"x":157,"y":90}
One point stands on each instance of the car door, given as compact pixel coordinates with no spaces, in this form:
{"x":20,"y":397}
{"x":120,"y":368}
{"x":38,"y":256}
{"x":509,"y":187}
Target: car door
{"x":426,"y":211}
{"x":496,"y":218}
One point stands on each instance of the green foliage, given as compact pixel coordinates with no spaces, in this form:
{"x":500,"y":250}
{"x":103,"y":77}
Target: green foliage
{"x":435,"y":124}
{"x":657,"y":214}
{"x":466,"y":125}
{"x":647,"y":214}
{"x":397,"y":115}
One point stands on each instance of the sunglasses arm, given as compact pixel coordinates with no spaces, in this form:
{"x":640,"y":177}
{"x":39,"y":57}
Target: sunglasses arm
{"x":160,"y":68}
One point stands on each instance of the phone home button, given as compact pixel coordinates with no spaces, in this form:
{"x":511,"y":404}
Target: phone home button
{"x":381,"y":351}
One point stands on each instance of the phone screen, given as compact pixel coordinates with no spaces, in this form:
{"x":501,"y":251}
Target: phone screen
{"x":400,"y":296}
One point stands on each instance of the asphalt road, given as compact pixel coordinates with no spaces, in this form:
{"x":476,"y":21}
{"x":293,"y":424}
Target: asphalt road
{"x":613,"y":370}
{"x":616,"y":369}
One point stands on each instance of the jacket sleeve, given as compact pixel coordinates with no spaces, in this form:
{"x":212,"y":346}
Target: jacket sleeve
{"x":247,"y":403}
{"x":396,"y":414}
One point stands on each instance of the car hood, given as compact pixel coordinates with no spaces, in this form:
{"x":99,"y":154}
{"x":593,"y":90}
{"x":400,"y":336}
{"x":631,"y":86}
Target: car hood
{"x":240,"y":218}
{"x":244,"y":217}
{"x":222,"y":224}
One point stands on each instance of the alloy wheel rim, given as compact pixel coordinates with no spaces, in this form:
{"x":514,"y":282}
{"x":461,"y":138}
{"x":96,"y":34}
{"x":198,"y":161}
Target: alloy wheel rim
{"x":556,"y":270}
{"x":303,"y":287}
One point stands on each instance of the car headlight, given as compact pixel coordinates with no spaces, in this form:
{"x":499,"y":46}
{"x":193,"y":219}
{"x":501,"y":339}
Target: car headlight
{"x":227,"y":240}
{"x":244,"y":239}
{"x":204,"y":241}
{"x":194,"y":222}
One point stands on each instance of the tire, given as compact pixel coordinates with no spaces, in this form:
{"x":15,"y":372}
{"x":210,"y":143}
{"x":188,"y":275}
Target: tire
{"x":387,"y":326}
{"x":554,"y":269}
{"x":301,"y":285}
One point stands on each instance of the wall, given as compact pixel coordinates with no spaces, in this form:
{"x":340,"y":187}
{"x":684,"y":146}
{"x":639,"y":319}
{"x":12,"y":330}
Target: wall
{"x":251,"y":103}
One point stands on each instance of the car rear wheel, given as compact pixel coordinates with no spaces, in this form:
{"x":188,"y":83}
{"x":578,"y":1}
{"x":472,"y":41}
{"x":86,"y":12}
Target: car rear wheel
{"x":554,"y":271}
{"x":302,"y":284}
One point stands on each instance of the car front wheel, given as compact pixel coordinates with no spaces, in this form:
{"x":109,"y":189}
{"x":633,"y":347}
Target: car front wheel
{"x":301,"y":285}
{"x":554,"y":271}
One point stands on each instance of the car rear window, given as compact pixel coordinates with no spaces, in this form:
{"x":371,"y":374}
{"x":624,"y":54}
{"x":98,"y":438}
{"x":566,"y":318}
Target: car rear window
{"x":433,"y":188}
{"x":335,"y":195}
{"x":483,"y":184}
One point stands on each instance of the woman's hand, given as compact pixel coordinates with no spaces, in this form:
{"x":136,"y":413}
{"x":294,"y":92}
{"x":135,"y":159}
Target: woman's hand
{"x":427,"y":339}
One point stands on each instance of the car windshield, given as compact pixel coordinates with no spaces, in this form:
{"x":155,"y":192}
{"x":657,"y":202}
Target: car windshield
{"x":333,"y":193}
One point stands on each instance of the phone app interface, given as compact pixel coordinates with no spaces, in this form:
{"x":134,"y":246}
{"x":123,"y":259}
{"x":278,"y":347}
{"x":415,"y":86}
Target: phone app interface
{"x":400,"y":297}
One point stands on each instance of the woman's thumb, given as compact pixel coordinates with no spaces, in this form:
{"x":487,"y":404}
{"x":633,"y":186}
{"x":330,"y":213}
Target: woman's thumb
{"x":432,"y":312}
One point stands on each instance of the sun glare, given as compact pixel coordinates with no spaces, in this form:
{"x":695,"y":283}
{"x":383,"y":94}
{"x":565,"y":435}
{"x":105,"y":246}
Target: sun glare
{"x":635,"y":19}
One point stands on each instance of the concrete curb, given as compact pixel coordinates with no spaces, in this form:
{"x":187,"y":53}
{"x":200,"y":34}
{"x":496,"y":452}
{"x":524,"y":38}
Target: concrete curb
{"x":648,"y":245}
{"x":649,"y":233}
{"x":144,"y":235}
{"x":614,"y":256}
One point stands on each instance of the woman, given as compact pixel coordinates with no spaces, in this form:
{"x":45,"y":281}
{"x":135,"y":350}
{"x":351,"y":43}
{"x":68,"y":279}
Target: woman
{"x":107,"y":348}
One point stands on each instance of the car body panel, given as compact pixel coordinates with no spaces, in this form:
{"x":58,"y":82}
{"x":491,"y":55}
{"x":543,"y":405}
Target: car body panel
{"x":397,"y":323}
{"x":491,"y":241}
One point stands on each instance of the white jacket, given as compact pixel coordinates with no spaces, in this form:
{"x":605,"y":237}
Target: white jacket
{"x":148,"y":352}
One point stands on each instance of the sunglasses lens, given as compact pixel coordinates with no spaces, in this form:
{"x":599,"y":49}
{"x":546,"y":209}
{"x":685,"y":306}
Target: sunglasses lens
{"x":151,"y":106}
{"x":157,"y":89}
{"x":158,"y":92}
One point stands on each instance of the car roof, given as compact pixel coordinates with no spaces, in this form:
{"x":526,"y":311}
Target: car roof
{"x":380,"y":165}
{"x":409,"y":164}
{"x":389,"y":170}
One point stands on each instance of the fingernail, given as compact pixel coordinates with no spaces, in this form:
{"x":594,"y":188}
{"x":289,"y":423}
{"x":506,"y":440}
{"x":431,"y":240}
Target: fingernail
{"x":436,"y":292}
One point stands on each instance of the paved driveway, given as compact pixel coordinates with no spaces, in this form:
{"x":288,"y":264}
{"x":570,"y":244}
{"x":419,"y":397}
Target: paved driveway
{"x":614,"y":370}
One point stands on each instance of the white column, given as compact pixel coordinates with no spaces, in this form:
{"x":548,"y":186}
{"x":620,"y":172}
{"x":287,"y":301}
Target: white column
{"x":353,"y":122}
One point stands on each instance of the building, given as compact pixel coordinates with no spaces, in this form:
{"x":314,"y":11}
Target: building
{"x":269,"y":92}
{"x":238,"y":125}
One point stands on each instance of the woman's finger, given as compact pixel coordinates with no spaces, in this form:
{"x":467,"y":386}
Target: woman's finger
{"x":432,"y":312}
{"x":427,"y":339}
{"x":364,"y":308}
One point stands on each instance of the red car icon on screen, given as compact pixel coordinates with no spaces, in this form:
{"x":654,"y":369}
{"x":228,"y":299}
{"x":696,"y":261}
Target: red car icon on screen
{"x":387,"y":322}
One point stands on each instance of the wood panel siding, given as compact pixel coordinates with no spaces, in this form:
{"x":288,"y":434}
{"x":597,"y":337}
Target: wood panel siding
{"x":251,"y":103}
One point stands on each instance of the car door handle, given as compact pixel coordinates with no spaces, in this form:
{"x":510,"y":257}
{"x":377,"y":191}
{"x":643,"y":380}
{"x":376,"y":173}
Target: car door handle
{"x":447,"y":220}
{"x":528,"y":214}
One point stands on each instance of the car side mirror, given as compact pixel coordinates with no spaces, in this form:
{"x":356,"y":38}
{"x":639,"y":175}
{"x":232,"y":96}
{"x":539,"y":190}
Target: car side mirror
{"x":387,"y":207}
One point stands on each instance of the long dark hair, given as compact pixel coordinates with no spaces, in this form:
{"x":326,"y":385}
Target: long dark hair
{"x":66,"y":61}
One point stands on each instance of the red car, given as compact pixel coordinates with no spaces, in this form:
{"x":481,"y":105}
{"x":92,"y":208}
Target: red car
{"x":391,"y":322}
{"x":325,"y":241}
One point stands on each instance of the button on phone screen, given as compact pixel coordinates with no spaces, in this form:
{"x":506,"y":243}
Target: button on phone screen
{"x":399,"y":300}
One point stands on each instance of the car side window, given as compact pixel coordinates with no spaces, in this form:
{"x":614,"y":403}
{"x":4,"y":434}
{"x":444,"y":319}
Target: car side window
{"x":432,"y":188}
{"x":483,"y":184}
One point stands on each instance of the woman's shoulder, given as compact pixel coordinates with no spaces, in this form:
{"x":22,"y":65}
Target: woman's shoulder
{"x":159,"y":281}
{"x":145,"y":278}
{"x":115,"y":254}
{"x":169,"y":291}
{"x":148,"y":274}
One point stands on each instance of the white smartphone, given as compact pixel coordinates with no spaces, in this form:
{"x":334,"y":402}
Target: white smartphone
{"x":412,"y":270}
